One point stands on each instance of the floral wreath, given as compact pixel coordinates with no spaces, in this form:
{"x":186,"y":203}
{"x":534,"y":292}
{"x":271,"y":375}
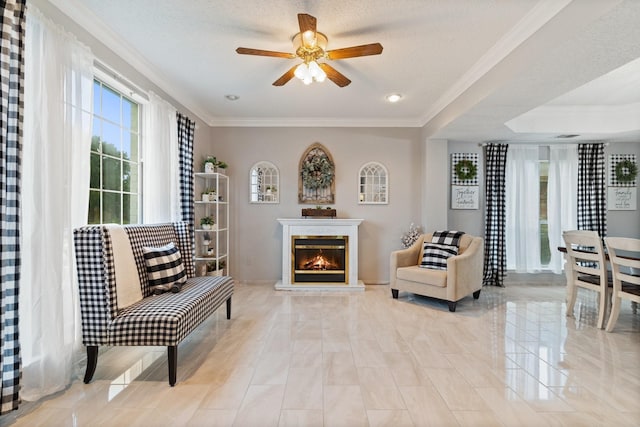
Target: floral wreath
{"x":626,"y":171}
{"x":465,"y":170}
{"x":317,"y":171}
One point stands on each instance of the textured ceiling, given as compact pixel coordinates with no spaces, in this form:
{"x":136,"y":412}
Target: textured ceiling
{"x":464,"y":67}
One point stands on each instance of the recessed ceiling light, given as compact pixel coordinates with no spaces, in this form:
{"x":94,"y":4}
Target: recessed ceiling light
{"x":232,"y":97}
{"x":394,"y":97}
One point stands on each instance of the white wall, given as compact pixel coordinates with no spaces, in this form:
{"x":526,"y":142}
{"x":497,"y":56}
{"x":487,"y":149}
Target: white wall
{"x":256,"y":235}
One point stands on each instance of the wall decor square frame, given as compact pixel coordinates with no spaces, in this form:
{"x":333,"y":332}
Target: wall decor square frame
{"x":316,"y":176}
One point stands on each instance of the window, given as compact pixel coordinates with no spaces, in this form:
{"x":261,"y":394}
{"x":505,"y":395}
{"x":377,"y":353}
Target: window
{"x":115,"y":170}
{"x":545,"y":250}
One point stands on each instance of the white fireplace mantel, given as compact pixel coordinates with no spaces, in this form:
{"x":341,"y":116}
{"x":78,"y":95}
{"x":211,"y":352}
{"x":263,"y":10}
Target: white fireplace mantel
{"x":320,"y":227}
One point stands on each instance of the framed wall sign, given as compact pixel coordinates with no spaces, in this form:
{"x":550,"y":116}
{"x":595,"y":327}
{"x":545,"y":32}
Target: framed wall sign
{"x":465,"y":189}
{"x":622,"y":194}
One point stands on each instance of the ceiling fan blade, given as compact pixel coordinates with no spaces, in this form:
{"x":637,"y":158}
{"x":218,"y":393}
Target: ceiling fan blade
{"x":334,"y":75}
{"x":306,"y":22}
{"x":259,"y":52}
{"x":354,"y":51}
{"x":285,"y":77}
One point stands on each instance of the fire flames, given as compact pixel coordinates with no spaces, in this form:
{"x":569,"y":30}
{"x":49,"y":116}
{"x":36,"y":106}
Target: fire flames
{"x":318,"y":262}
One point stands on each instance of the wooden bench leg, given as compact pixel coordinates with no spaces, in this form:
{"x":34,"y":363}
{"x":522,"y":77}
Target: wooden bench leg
{"x":476,"y":294}
{"x":452,"y":306}
{"x":394,"y":293}
{"x":172,"y":354}
{"x":229,"y":308}
{"x":92,"y":362}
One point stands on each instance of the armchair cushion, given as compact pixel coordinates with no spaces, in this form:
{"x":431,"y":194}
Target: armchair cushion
{"x":435,"y":255}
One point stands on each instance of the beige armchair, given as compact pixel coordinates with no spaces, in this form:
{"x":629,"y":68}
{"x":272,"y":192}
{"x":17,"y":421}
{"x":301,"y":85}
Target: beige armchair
{"x":462,"y":277}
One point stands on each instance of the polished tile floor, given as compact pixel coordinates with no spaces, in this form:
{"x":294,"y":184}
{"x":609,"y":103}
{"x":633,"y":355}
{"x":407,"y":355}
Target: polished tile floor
{"x":511,"y":358}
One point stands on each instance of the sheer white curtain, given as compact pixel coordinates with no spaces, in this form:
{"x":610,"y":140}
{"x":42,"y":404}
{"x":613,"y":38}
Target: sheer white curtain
{"x":561,"y":198}
{"x":523,"y":208}
{"x":55,"y":199}
{"x":161,"y":182}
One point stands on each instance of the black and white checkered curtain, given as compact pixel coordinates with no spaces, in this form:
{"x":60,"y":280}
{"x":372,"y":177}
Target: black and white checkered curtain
{"x":11,"y":119}
{"x":186,"y":133}
{"x":495,"y":253}
{"x":592,"y":190}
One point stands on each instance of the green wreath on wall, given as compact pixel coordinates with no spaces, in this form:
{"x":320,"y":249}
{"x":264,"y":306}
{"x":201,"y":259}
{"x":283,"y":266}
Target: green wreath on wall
{"x":317,"y":172}
{"x":626,"y":171}
{"x":465,"y":170}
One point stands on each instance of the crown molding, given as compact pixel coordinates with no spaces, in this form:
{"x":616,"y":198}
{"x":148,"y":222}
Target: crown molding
{"x":316,"y":122}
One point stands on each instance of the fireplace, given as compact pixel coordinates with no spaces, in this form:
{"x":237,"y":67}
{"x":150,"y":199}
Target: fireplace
{"x":319,"y":259}
{"x":319,"y":254}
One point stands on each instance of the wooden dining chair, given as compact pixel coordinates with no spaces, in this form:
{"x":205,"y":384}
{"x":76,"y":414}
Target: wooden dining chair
{"x":624,"y":256}
{"x":586,"y":268}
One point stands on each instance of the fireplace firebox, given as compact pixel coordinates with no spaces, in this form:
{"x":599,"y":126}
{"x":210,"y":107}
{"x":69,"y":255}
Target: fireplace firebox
{"x":320,"y":228}
{"x":319,"y":259}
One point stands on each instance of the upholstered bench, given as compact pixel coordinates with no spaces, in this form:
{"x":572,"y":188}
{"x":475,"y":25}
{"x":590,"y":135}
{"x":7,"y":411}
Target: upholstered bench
{"x":109,"y":260}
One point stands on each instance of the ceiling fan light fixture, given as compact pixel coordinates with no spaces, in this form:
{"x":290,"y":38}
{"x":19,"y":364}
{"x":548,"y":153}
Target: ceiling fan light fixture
{"x":310,"y":72}
{"x":301,"y":71}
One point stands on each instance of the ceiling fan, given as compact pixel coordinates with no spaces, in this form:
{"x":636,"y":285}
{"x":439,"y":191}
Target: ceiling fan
{"x":310,"y":46}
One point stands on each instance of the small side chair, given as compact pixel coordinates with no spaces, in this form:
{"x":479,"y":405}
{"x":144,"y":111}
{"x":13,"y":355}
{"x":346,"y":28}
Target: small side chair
{"x":624,"y":256}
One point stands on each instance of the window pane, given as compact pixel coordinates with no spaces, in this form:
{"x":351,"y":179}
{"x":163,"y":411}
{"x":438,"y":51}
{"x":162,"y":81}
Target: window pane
{"x":111,"y":174}
{"x":110,"y":105}
{"x":129,"y":114}
{"x":94,"y":181}
{"x":94,"y":207}
{"x":111,"y":139}
{"x":97,"y":93}
{"x":129,"y":208}
{"x":111,"y":208}
{"x":129,"y":177}
{"x":129,"y":146}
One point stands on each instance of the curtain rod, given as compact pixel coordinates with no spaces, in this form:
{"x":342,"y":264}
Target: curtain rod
{"x":119,"y":78}
{"x":484,"y":144}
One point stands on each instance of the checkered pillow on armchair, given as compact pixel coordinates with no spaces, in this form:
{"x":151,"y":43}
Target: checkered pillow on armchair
{"x":435,"y":255}
{"x":165,"y":268}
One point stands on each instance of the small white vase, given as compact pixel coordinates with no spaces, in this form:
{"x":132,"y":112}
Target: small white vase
{"x":208,"y":167}
{"x":207,"y":226}
{"x":205,"y":197}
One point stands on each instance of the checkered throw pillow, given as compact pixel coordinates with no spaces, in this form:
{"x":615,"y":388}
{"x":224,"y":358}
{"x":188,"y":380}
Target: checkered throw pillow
{"x":435,"y":255}
{"x":165,"y":269}
{"x":451,"y":238}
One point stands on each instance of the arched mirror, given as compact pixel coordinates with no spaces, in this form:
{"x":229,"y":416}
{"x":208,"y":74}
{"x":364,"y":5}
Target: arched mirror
{"x":373,"y":184}
{"x":264,"y":183}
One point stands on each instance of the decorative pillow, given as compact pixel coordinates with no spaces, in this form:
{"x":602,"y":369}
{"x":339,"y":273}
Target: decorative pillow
{"x":451,"y":238}
{"x":165,"y":268}
{"x":435,"y":255}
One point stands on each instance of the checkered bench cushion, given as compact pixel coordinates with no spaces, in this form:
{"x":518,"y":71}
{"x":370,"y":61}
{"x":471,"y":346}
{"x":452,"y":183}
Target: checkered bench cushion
{"x":168,"y":318}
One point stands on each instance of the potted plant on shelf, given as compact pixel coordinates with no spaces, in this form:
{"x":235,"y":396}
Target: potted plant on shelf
{"x":206,"y":195}
{"x":209,"y":164}
{"x":216,"y":268}
{"x":207,"y":222}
